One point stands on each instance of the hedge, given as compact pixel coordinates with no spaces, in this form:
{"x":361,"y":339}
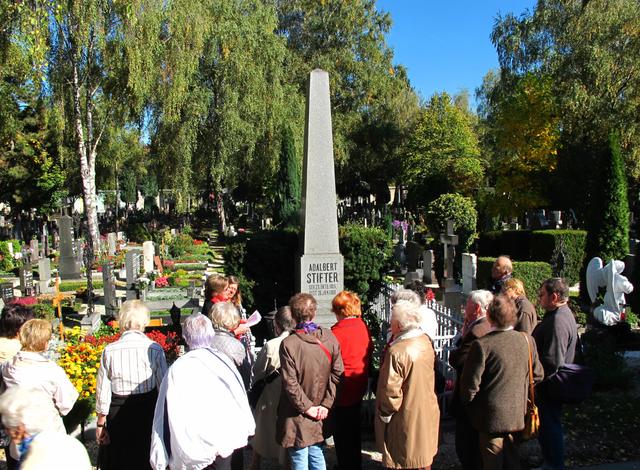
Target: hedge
{"x":552,"y":245}
{"x":514,"y":243}
{"x":531,"y":273}
{"x":70,"y":286}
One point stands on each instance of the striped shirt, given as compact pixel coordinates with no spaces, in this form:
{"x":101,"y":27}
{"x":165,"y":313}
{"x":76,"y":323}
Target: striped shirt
{"x":132,"y":365}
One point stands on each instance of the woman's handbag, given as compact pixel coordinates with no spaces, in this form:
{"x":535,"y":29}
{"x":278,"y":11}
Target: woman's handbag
{"x":531,"y":418}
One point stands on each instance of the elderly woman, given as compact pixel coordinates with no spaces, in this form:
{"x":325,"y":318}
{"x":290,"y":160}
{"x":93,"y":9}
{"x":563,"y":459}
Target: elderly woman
{"x":29,"y":368}
{"x":356,"y":347}
{"x":202,"y":414}
{"x":311,"y":368}
{"x":13,"y":317}
{"x":131,"y":370}
{"x":526,"y":315}
{"x":225,"y":319}
{"x":407,"y":412}
{"x":32,"y":421}
{"x":266,"y":373}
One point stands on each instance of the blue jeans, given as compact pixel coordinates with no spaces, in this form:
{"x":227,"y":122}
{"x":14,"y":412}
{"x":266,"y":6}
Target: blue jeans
{"x":551,"y":437}
{"x":307,"y":458}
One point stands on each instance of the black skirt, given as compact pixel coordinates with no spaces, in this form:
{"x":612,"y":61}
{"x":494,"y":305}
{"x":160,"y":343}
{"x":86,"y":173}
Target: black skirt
{"x":129,"y":425}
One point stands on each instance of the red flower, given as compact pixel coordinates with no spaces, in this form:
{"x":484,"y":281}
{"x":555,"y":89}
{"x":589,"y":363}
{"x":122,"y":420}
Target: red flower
{"x":24,"y":301}
{"x":430,"y":295}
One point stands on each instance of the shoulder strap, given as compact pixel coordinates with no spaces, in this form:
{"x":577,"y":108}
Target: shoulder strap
{"x":322,"y":346}
{"x":531,"y":392}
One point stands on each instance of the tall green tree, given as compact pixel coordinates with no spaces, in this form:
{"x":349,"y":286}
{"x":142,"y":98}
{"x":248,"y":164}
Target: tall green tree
{"x":287,"y":201}
{"x":443,"y":152}
{"x":589,"y":51}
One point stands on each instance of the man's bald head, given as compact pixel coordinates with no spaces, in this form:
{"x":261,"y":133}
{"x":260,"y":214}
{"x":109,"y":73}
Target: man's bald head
{"x":501,"y":267}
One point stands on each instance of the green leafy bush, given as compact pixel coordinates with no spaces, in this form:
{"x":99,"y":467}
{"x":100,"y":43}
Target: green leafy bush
{"x":462,"y":211}
{"x":44,"y":311}
{"x":514,"y":243}
{"x":563,"y":249}
{"x":6,"y":260}
{"x":138,"y":233}
{"x":367,"y":253}
{"x":180,"y":245}
{"x":601,"y":354}
{"x":531,"y":273}
{"x":69,"y":286}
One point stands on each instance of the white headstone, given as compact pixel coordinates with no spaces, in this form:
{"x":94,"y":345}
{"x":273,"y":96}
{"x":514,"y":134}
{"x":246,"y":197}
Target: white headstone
{"x":112,"y":240}
{"x":44,"y":271}
{"x":321,"y":265}
{"x":68,"y":266}
{"x":148,"y":252}
{"x":469,"y":270}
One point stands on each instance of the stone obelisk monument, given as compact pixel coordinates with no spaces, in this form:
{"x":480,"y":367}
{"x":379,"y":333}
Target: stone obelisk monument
{"x":321,"y":264}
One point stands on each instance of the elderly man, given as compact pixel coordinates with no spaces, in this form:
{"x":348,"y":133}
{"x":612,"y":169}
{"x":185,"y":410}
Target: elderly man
{"x":475,"y":326}
{"x":311,"y":368}
{"x":202,"y":414}
{"x":494,"y":385}
{"x":556,"y":338}
{"x":500,"y":272}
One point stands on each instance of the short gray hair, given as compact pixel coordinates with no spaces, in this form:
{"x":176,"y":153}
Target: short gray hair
{"x":407,"y":314}
{"x":197,"y":331}
{"x":133,"y":315}
{"x":224,"y":316}
{"x":481,"y":297}
{"x":284,"y":319}
{"x":407,"y":295}
{"x":32,"y":408}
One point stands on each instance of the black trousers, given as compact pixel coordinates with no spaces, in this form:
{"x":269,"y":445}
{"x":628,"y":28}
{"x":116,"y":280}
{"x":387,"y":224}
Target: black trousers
{"x":467,"y":443}
{"x":347,"y":436}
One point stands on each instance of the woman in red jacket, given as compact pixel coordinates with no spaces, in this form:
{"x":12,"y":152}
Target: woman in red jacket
{"x":356,"y":347}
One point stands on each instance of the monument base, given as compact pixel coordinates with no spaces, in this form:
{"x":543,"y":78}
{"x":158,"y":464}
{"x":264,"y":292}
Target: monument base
{"x":69,"y":268}
{"x":453,"y":296}
{"x":322,"y":275}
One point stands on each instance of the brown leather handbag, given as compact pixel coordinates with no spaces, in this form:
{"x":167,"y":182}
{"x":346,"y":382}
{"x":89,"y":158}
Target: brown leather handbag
{"x":531,"y":418}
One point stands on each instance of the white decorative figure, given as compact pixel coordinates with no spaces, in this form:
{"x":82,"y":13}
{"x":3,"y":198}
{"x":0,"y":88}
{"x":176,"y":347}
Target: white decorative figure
{"x":610,"y":276}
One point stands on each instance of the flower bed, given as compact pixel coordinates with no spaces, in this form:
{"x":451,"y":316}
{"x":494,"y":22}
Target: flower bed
{"x":80,"y":359}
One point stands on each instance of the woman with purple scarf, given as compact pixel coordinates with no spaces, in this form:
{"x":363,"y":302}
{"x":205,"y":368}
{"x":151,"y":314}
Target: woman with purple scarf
{"x":311,"y":367}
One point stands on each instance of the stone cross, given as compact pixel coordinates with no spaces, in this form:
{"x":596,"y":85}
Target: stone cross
{"x":450,"y":241}
{"x":321,"y":271}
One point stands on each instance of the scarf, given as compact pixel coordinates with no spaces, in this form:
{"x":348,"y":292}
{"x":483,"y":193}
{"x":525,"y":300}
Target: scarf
{"x":23,"y":448}
{"x":308,"y":327}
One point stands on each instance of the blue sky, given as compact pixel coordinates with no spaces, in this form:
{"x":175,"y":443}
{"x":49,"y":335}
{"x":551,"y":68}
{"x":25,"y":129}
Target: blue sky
{"x":445,"y":45}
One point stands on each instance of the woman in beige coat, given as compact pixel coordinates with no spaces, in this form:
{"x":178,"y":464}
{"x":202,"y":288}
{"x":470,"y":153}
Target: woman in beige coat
{"x":407,"y":412}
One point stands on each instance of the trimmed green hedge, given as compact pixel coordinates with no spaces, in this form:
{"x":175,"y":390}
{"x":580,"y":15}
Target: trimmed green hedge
{"x":565,"y":250}
{"x":70,"y":286}
{"x":549,"y":246}
{"x":531,"y":273}
{"x":514,"y":243}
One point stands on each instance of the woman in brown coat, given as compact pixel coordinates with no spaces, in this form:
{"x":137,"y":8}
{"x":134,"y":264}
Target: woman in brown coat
{"x":311,"y":367}
{"x":407,"y":412}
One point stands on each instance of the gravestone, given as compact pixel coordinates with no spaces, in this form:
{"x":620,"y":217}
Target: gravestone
{"x":34,"y":249}
{"x":469,"y":271}
{"x":148,"y":252}
{"x":108,"y":281}
{"x":158,"y":264}
{"x":452,"y":292}
{"x":44,"y":272}
{"x":6,"y":291}
{"x":399,"y":258}
{"x":112,"y":240}
{"x":427,"y":267}
{"x":132,"y":266}
{"x":413,"y":253}
{"x":26,"y":280}
{"x":45,"y":241}
{"x":68,"y":266}
{"x":321,"y":265}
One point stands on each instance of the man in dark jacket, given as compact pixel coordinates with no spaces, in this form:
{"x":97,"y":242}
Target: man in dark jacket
{"x":556,"y":337}
{"x":495,"y":385}
{"x":475,"y":326}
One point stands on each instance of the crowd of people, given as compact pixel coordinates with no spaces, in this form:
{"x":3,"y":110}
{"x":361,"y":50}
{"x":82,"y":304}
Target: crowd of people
{"x":306,"y":383}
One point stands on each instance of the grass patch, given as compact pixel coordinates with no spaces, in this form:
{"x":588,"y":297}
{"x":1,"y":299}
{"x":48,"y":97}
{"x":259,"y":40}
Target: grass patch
{"x":71,"y":286}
